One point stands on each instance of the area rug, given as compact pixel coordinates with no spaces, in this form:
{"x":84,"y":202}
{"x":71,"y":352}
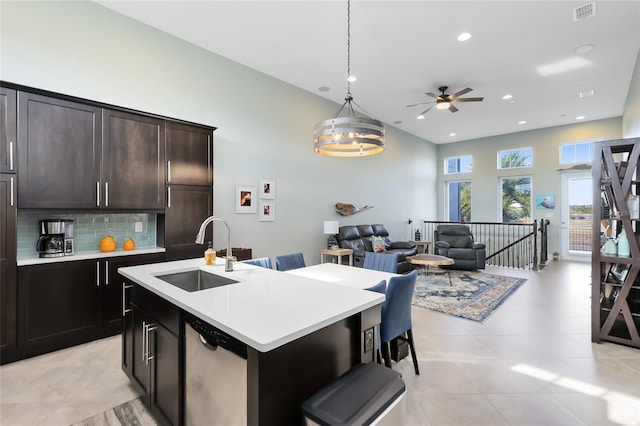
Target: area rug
{"x":472,"y":295}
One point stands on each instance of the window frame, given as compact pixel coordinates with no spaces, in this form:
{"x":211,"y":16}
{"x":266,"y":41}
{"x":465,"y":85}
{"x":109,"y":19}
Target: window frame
{"x":591,"y":142}
{"x":507,"y":151}
{"x":447,"y":197}
{"x":459,"y":157}
{"x":501,"y":216}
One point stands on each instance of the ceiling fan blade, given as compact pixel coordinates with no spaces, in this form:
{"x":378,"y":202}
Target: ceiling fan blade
{"x":426,"y":110}
{"x":467,"y":99}
{"x":421,"y":103}
{"x":462,"y":92}
{"x":433,"y":95}
{"x":452,"y":108}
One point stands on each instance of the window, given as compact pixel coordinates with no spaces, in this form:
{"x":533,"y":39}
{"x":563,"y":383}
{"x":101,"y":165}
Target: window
{"x":576,"y":152}
{"x":515,"y":158}
{"x":515,"y":199}
{"x":459,"y":164}
{"x":459,"y":201}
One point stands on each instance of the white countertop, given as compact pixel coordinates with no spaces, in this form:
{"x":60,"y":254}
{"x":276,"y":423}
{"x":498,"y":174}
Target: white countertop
{"x":266,"y":308}
{"x":88,"y":255}
{"x":344,"y":275}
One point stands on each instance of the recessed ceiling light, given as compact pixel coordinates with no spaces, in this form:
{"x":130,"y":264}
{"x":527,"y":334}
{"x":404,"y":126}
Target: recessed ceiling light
{"x":324,"y":89}
{"x":352,"y":78}
{"x":586,"y":93}
{"x":452,"y":134}
{"x":584,"y":49}
{"x":522,"y":122}
{"x":580,"y":117}
{"x":464,"y":37}
{"x":507,"y":96}
{"x":420,"y":117}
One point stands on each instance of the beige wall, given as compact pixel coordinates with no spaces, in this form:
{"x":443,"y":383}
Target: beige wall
{"x":631,"y":117}
{"x":264,"y":125}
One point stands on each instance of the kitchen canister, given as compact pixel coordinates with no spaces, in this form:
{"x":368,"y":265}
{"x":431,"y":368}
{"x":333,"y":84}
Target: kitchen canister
{"x":633,"y":204}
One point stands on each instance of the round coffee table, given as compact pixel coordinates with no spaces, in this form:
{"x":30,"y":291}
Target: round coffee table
{"x":431,"y":259}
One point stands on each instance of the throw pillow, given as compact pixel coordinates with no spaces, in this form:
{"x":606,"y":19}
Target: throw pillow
{"x":378,"y":244}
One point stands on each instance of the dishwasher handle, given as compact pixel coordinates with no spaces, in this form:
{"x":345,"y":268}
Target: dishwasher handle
{"x":212,"y":346}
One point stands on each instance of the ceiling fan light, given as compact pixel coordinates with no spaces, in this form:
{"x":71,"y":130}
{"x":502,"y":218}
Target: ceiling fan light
{"x":443,"y":105}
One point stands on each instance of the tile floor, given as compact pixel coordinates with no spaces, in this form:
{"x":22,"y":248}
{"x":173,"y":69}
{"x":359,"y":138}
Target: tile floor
{"x":531,"y":363}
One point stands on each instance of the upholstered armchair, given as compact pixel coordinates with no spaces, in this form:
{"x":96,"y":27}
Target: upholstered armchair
{"x":456,"y":242}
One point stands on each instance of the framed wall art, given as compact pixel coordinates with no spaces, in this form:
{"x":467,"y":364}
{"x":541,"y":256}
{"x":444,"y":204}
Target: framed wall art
{"x":267,"y":188}
{"x":246,"y":199}
{"x":267,"y":211}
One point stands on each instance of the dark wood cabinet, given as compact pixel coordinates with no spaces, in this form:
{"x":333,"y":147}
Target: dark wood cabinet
{"x":111,"y":287}
{"x":616,"y":276}
{"x":133,"y":161}
{"x":152,"y":351}
{"x":59,"y":144}
{"x":187,"y":207}
{"x":8,"y":130}
{"x":8,"y":268}
{"x":58,"y":305}
{"x":189,"y":154}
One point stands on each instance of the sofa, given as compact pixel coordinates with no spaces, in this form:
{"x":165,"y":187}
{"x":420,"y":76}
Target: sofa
{"x":457,"y":243}
{"x":359,"y":239}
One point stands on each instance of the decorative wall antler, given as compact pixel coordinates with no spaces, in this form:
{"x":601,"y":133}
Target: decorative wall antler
{"x":349,"y":209}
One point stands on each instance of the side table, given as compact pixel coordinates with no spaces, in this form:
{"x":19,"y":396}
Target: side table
{"x":338,"y":253}
{"x":425,"y":246}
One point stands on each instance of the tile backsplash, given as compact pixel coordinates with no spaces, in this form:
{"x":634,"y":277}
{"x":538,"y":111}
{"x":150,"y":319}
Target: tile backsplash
{"x":89,"y":229}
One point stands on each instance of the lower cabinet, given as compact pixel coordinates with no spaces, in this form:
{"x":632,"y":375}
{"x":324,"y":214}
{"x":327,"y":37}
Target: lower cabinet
{"x":152,"y":355}
{"x":64,"y":304}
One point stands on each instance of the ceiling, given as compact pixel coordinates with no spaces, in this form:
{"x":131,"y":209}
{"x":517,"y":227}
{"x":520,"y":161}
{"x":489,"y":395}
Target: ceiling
{"x":402,"y":49}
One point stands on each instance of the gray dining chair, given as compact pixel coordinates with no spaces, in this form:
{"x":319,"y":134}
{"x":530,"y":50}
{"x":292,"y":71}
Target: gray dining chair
{"x":381,"y":261}
{"x":286,"y":262}
{"x":264,"y":262}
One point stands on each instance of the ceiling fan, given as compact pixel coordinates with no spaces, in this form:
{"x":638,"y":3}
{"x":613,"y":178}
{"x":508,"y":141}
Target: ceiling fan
{"x":445,"y":101}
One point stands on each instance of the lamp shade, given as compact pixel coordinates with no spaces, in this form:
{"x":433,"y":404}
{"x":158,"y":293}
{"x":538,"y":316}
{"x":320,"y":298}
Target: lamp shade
{"x":331,"y":226}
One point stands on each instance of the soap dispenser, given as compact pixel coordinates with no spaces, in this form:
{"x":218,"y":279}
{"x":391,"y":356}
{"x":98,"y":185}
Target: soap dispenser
{"x":210,"y":255}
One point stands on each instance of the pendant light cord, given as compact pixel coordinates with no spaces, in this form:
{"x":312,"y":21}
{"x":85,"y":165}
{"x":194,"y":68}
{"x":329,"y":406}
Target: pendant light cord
{"x":348,"y":48}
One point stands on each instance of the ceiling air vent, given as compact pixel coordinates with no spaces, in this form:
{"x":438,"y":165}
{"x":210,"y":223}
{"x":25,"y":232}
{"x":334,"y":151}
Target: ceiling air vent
{"x":584,"y":11}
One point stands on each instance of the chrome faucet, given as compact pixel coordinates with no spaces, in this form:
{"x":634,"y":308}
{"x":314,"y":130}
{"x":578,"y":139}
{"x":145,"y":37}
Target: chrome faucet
{"x":228,"y":265}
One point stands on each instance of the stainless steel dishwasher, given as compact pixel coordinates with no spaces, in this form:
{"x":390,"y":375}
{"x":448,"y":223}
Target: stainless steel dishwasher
{"x":216,"y":376}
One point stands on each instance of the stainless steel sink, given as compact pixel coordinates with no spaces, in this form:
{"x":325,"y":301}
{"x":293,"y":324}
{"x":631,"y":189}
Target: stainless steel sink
{"x":195,"y":280}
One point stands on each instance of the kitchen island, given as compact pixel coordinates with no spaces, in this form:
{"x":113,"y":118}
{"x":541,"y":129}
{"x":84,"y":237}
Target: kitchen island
{"x":299,"y":333}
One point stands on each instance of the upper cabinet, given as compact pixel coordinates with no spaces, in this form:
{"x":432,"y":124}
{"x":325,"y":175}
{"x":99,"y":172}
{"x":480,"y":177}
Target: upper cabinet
{"x":189,"y":155}
{"x":8,"y":130}
{"x":80,"y":156}
{"x":132,"y":161}
{"x":59,"y":144}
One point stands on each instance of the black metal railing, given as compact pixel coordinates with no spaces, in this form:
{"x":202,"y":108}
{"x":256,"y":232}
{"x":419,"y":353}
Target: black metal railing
{"x":514,"y":245}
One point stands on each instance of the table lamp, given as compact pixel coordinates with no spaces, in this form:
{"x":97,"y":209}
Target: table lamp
{"x":331,"y":229}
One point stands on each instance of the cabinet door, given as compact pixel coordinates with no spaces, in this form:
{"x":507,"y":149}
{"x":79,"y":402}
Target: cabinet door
{"x":59,"y":144}
{"x":140,"y":369}
{"x":7,"y":263}
{"x":189,"y":155}
{"x":111,"y":293}
{"x":8,"y":130}
{"x":187,"y":208}
{"x":133,"y":161}
{"x":165,"y":385}
{"x":58,"y":304}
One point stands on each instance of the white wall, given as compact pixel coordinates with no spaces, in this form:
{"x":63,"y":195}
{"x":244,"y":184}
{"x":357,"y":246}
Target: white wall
{"x":631,"y":116}
{"x":544,"y":174}
{"x":264,"y":125}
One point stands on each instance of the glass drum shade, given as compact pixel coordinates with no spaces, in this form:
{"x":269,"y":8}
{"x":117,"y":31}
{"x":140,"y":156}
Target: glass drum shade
{"x":348,"y":137}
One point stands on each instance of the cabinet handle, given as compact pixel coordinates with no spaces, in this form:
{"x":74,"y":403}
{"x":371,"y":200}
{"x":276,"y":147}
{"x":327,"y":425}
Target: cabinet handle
{"x":169,"y":196}
{"x":150,"y":355}
{"x":124,"y":298}
{"x":106,"y":194}
{"x":11,"y":192}
{"x":10,"y":155}
{"x":97,"y":194}
{"x":168,"y":171}
{"x":144,"y":342}
{"x":106,"y":272}
{"x":98,"y":274}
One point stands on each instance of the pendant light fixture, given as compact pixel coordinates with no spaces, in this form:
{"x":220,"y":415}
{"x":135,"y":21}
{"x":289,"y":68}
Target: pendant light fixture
{"x":349,"y":135}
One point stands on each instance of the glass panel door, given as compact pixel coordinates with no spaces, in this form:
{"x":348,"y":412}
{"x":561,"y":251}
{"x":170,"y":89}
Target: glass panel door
{"x":577,"y":214}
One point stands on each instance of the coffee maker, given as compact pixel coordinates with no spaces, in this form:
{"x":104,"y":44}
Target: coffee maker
{"x":56,"y":238}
